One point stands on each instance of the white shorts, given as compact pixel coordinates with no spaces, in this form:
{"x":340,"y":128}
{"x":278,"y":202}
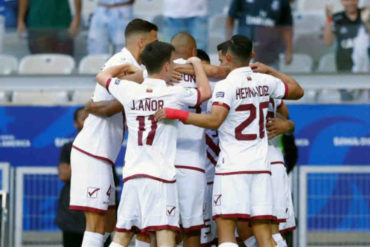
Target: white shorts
{"x":92,"y":184}
{"x":290,"y":224}
{"x":242,"y":196}
{"x":208,"y":233}
{"x":279,"y":179}
{"x":148,"y":205}
{"x":191,"y":185}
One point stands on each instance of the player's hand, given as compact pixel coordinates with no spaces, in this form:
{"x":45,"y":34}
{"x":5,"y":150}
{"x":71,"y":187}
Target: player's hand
{"x":88,"y":105}
{"x":160,"y":115}
{"x":365,"y":15}
{"x":74,"y":27}
{"x":329,"y":11}
{"x":175,"y":77}
{"x":21,"y":28}
{"x":260,"y":68}
{"x":194,"y":60}
{"x":277,"y":126}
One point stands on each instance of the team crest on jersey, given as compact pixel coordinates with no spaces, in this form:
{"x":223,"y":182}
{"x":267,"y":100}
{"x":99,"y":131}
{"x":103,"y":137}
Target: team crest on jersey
{"x":92,"y":192}
{"x":149,"y":90}
{"x":171,"y":210}
{"x":220,"y":94}
{"x":117,"y":81}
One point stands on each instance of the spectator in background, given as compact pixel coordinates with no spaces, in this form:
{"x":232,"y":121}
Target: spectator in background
{"x":186,"y":16}
{"x":108,"y":26}
{"x":72,"y":223}
{"x":351,"y":29}
{"x":50,"y":25}
{"x":268,"y":23}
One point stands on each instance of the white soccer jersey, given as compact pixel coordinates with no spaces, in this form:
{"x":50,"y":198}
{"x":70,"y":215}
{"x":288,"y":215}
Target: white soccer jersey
{"x":102,"y":137}
{"x":151,"y":145}
{"x":243,"y":140}
{"x":212,"y":143}
{"x":191,"y":151}
{"x":274,"y":153}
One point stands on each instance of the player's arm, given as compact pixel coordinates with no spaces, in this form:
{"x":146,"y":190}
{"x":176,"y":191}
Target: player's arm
{"x":201,"y":78}
{"x":211,"y":70}
{"x":208,"y":121}
{"x":281,"y":124}
{"x":75,"y":24}
{"x":124,"y":71}
{"x":294,"y":90}
{"x":104,"y":108}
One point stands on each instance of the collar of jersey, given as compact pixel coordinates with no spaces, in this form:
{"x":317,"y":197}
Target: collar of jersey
{"x":128,"y":54}
{"x":154,"y":82}
{"x":244,"y":70}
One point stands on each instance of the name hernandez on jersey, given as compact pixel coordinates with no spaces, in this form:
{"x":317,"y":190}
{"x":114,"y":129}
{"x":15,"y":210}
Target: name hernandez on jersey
{"x":243,"y":141}
{"x":274,"y":153}
{"x":102,"y":137}
{"x":151,"y":145}
{"x":191,"y":151}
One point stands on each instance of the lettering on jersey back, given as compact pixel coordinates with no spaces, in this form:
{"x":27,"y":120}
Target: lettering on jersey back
{"x":188,"y":78}
{"x":251,"y":92}
{"x":147,"y":104}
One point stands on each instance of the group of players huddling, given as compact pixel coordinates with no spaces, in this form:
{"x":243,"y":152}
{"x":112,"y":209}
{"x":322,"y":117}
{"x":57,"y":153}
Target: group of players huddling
{"x":198,"y":150}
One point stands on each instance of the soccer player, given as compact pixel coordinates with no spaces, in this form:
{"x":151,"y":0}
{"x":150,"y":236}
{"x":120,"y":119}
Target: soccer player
{"x":242,"y":185}
{"x":150,"y":200}
{"x":96,"y":147}
{"x":190,"y":154}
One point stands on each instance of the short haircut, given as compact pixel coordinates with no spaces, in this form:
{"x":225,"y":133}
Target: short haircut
{"x":75,"y":114}
{"x":241,"y":48}
{"x":155,"y":55}
{"x":139,"y":26}
{"x":223,"y":47}
{"x":203,"y":55}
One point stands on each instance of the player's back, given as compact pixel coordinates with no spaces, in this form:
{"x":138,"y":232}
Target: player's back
{"x":243,"y":139}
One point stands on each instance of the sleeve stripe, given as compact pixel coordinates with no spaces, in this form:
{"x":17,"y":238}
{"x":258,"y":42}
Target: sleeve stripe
{"x":222,"y":104}
{"x":286,"y":90}
{"x":198,"y":98}
{"x":107,"y":84}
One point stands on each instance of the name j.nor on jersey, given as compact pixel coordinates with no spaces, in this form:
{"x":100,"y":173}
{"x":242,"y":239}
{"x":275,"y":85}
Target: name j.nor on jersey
{"x":147,"y":104}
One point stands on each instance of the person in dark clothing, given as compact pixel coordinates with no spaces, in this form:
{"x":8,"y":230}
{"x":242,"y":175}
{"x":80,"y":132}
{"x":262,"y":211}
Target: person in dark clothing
{"x":72,"y":223}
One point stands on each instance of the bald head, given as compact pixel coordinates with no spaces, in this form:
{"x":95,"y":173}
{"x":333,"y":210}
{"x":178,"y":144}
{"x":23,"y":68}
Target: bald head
{"x":185,"y":45}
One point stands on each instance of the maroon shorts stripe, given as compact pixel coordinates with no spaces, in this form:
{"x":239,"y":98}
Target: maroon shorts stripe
{"x":162,"y":227}
{"x":193,"y":228}
{"x":88,"y":209}
{"x":112,"y":207}
{"x":215,"y":148}
{"x":277,"y":163}
{"x":190,"y":168}
{"x":221,"y":104}
{"x":241,"y":172}
{"x":94,"y":156}
{"x":263,"y":217}
{"x":148,"y":176}
{"x":228,"y":216}
{"x":290,"y":229}
{"x":211,"y":159}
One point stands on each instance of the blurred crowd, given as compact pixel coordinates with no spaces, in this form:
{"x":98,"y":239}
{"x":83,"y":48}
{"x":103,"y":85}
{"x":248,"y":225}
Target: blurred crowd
{"x":50,"y":27}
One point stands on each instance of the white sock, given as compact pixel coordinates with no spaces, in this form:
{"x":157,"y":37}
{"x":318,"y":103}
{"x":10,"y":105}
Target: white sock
{"x":114,"y":244}
{"x":92,"y":239}
{"x":106,"y":236}
{"x":279,"y":240}
{"x":228,"y":245}
{"x":251,"y":242}
{"x":139,"y":243}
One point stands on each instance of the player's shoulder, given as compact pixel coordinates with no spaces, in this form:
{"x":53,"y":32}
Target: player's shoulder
{"x":261,"y":77}
{"x":117,"y":59}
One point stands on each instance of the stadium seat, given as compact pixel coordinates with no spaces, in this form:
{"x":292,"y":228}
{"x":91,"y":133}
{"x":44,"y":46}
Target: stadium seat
{"x":302,"y":63}
{"x":46,"y":64}
{"x":8,"y":64}
{"x":92,"y":64}
{"x":81,"y":97}
{"x":39,"y":97}
{"x":327,"y":63}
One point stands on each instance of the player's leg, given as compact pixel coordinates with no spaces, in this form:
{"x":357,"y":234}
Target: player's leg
{"x":226,"y":232}
{"x":142,"y":240}
{"x":166,"y":238}
{"x":261,"y":208}
{"x":246,"y":234}
{"x":97,"y":40}
{"x":207,"y":233}
{"x":191,"y":188}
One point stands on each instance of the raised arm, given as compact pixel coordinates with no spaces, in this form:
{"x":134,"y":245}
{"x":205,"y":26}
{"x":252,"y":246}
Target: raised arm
{"x":212,"y":71}
{"x":104,"y":108}
{"x":201,"y":78}
{"x":294,"y":89}
{"x":124,"y":71}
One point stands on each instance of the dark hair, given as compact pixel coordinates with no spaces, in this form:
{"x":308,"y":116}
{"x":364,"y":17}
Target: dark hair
{"x":203,"y":55}
{"x":139,"y":26}
{"x":240,"y":47}
{"x":75,"y":114}
{"x":155,"y":55}
{"x":223,"y":47}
